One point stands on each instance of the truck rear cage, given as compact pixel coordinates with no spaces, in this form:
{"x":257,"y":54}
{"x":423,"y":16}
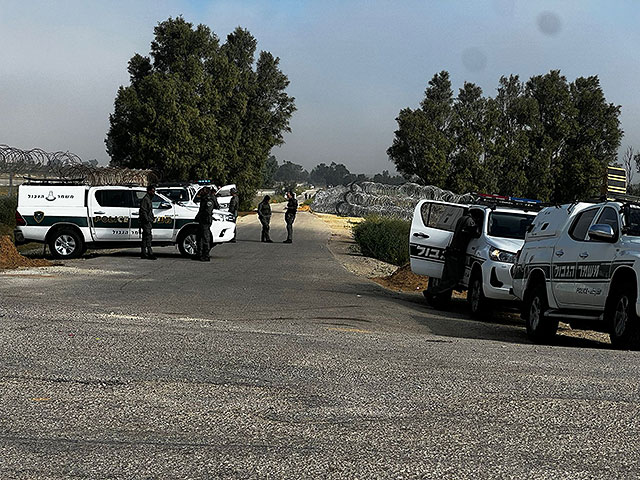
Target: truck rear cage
{"x":53,"y":181}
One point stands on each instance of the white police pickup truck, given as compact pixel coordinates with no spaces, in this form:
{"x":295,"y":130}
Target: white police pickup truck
{"x":502,"y":222}
{"x":580,"y":263}
{"x":69,"y":218}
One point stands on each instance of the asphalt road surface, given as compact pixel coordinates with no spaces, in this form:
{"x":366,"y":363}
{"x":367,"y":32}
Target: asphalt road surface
{"x":272,"y":361}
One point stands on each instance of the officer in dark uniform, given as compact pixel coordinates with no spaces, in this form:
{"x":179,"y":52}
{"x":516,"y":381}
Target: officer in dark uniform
{"x":234,"y":203}
{"x":455,"y":256}
{"x":290,"y":215}
{"x":204,"y":219}
{"x":264,"y":215}
{"x":146,"y":219}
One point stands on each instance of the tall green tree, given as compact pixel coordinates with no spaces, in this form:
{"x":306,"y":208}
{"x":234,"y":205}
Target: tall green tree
{"x":269,"y":171}
{"x":196,"y":108}
{"x":469,"y":128}
{"x":510,"y":114}
{"x":422,"y":145}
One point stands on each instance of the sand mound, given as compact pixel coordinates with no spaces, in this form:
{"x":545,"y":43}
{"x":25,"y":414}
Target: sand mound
{"x":404,"y":280}
{"x":11,"y":258}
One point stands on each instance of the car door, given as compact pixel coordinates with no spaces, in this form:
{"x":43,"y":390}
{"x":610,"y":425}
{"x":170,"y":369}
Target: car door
{"x":163,"y":211}
{"x":110,"y":214}
{"x":595,"y":262}
{"x":572,"y":248}
{"x":432,"y":227}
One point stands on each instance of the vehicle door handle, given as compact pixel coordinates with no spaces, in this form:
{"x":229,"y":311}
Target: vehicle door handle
{"x":559,"y":253}
{"x":99,"y":213}
{"x":583,"y":254}
{"x":421,"y":235}
{"x":135,"y":214}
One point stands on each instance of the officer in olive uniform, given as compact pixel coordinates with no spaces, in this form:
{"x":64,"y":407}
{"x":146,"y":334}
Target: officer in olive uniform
{"x":204,"y":219}
{"x":146,"y":219}
{"x":234,"y":203}
{"x":290,"y":215}
{"x":264,"y":215}
{"x":455,"y":256}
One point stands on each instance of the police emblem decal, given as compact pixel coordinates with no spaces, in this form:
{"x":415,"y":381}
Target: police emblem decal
{"x":51,"y":197}
{"x":38,"y":216}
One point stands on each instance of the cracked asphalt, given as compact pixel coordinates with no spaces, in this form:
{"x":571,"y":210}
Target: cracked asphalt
{"x":272,"y":361}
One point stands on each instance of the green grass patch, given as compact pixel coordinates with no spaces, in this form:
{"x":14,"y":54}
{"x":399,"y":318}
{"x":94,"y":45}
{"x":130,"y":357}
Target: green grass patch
{"x":386,"y":239}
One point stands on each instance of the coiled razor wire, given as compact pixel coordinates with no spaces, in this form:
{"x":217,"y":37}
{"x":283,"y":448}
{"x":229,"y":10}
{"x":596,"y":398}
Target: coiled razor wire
{"x":68,"y":166}
{"x":369,"y":198}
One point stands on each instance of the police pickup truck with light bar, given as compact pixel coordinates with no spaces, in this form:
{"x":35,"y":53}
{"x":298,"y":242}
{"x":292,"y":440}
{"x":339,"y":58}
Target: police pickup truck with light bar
{"x":70,"y":217}
{"x":502,"y":224}
{"x":580,"y":264}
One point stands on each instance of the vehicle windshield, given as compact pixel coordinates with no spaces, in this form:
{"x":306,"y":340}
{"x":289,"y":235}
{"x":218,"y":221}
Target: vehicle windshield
{"x":509,"y":225}
{"x":175,"y":194}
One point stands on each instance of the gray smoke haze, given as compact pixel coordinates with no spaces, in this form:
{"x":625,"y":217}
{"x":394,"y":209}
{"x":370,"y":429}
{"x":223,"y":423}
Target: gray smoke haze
{"x":352,"y":64}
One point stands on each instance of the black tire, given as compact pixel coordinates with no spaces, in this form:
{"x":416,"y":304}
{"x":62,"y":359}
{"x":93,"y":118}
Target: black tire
{"x":187,"y":241}
{"x":65,"y":243}
{"x":440,"y":301}
{"x":539,"y":328}
{"x":624,"y":330}
{"x":479,"y":305}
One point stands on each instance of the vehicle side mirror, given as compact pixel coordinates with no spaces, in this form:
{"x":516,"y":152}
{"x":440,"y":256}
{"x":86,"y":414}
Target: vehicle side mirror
{"x":602,"y":232}
{"x":165,"y":206}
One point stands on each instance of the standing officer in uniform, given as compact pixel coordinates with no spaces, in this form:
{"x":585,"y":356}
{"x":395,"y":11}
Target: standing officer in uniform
{"x":455,"y":255}
{"x":146,"y":219}
{"x":204,"y":219}
{"x":233,"y":209}
{"x":290,"y":215}
{"x":264,"y":215}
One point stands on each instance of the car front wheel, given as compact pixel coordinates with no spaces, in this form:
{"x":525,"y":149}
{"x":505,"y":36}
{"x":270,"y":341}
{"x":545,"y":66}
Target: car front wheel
{"x":478,"y":303}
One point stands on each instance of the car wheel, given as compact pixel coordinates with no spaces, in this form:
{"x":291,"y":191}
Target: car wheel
{"x":188,"y":243}
{"x":624,"y":330}
{"x":439,"y":301}
{"x":478,"y":303}
{"x":66,"y":243}
{"x":539,"y":327}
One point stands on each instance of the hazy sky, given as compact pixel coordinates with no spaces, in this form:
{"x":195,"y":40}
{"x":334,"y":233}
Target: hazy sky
{"x":352,"y":64}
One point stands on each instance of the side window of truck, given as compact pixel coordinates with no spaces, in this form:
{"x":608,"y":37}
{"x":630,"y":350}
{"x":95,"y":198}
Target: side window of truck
{"x":113,"y":198}
{"x":441,"y":216}
{"x":581,"y":224}
{"x":609,"y":217}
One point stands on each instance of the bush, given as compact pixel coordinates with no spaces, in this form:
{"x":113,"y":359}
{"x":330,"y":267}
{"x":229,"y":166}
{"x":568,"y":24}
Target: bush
{"x":8,"y":211}
{"x":386,"y":239}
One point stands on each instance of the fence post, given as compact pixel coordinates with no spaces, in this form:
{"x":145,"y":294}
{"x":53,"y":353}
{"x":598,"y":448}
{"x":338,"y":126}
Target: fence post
{"x":10,"y":184}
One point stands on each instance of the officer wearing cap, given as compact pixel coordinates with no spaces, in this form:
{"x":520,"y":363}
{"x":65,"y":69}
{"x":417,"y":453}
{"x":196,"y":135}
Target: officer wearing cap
{"x":233,"y":209}
{"x":146,"y":220}
{"x":204,"y":219}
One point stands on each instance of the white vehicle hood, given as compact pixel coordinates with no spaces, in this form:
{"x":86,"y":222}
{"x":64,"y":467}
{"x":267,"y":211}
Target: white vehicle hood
{"x":507,"y":244}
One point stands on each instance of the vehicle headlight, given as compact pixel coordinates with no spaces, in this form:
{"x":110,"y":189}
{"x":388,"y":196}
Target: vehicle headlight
{"x":502,"y":256}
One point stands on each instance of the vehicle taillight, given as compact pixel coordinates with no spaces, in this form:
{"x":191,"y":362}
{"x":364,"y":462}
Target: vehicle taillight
{"x":21,"y":222}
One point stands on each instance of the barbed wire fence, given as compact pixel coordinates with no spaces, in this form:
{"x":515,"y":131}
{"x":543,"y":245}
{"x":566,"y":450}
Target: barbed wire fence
{"x":369,"y":198}
{"x":17,"y":164}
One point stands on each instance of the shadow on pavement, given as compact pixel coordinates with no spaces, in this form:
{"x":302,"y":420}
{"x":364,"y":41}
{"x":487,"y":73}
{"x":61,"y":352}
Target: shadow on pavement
{"x":502,"y":326}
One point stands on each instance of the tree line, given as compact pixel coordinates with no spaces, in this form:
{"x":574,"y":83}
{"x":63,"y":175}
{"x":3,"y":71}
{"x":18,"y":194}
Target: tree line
{"x":198,"y":108}
{"x":545,"y":138}
{"x":289,"y":173}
